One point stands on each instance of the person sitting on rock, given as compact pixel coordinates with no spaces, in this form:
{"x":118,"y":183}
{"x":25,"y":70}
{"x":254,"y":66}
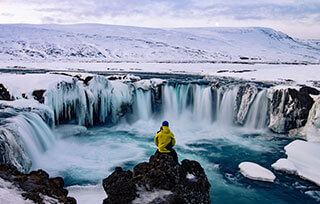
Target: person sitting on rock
{"x":165,"y":141}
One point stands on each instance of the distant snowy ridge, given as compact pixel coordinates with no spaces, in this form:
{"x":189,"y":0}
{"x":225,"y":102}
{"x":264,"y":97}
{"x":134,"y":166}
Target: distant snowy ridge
{"x":109,"y":43}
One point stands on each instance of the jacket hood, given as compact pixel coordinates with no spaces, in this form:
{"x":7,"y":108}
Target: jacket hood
{"x":165,"y":129}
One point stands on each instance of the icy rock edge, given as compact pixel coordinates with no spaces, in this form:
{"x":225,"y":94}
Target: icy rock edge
{"x":35,"y":187}
{"x":160,"y":180}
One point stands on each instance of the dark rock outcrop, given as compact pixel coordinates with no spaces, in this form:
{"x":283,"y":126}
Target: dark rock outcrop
{"x":245,"y":97}
{"x":291,"y":106}
{"x":38,"y":95}
{"x":36,"y":185}
{"x":4,"y":94}
{"x":187,"y":182}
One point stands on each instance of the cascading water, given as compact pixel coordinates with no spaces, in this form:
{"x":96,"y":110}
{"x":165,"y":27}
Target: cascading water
{"x":257,"y":116}
{"x":226,"y":106}
{"x":100,"y":101}
{"x":142,"y":105}
{"x":35,"y":134}
{"x":200,"y":116}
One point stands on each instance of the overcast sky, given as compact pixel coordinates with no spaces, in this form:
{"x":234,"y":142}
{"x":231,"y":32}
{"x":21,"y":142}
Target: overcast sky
{"x":298,"y":18}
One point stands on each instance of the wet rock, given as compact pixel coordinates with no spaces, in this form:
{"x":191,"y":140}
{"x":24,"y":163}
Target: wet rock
{"x":87,"y":79}
{"x":290,"y":108}
{"x":119,"y":187}
{"x":309,"y":90}
{"x":38,"y":95}
{"x":245,"y":97}
{"x":36,"y":185}
{"x":187,"y":181}
{"x":4,"y":94}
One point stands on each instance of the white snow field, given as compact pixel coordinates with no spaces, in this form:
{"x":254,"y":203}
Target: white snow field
{"x":256,"y":172}
{"x":289,"y":74}
{"x":303,"y":160}
{"x":111,"y":43}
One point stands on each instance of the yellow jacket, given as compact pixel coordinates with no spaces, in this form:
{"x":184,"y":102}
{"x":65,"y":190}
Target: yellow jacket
{"x":163,"y":139}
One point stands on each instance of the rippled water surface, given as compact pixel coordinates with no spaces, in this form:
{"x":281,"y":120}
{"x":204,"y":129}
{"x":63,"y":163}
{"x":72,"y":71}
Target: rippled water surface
{"x":89,"y":157}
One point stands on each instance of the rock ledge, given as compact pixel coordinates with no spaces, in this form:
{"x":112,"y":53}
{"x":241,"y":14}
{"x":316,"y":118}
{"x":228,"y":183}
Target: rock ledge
{"x":187,"y":182}
{"x":36,"y":186}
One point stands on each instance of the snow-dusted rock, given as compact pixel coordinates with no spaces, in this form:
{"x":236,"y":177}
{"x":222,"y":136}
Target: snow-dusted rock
{"x":290,"y":108}
{"x":148,"y":83}
{"x":256,"y":172}
{"x":245,"y":96}
{"x":303,"y":159}
{"x":174,"y":183}
{"x":36,"y":186}
{"x":124,"y":78}
{"x":311,"y":131}
{"x":149,"y":196}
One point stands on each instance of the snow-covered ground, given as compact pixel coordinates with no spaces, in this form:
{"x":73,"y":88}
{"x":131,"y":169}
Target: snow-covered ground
{"x":97,"y":42}
{"x":292,"y":74}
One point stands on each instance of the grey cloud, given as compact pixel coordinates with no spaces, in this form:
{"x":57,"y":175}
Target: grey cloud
{"x":51,"y":20}
{"x":239,"y":10}
{"x":316,"y":19}
{"x":7,"y":14}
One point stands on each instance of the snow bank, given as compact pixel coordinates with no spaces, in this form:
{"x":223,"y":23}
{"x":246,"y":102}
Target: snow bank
{"x":17,"y":84}
{"x":87,"y":194}
{"x":148,"y":83}
{"x":256,"y":172}
{"x":303,"y":160}
{"x":149,"y":196}
{"x":10,"y":194}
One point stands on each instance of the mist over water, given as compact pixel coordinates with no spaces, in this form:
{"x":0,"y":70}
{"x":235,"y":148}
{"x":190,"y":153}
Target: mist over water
{"x":202,"y":122}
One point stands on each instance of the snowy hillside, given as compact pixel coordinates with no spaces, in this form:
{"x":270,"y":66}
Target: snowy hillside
{"x":96,"y":42}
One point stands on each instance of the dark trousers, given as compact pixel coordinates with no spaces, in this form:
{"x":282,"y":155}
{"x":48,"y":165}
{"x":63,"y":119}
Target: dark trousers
{"x":173,"y":153}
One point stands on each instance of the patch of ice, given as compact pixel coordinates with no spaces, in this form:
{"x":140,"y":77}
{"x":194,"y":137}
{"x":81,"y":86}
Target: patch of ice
{"x":305,"y":158}
{"x":191,"y":177}
{"x":149,"y":196}
{"x":256,"y":172}
{"x":284,"y":165}
{"x":87,"y":194}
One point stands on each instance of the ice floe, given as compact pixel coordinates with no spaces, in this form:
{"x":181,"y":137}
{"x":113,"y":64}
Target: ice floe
{"x":303,"y":160}
{"x":256,"y":172}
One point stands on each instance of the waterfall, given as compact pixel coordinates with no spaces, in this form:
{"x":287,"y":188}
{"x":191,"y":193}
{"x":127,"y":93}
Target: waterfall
{"x":142,"y":108}
{"x":225,"y":108}
{"x":187,"y":101}
{"x":100,"y":101}
{"x":258,"y":113}
{"x":35,"y":134}
{"x":202,"y":108}
{"x":198,"y":103}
